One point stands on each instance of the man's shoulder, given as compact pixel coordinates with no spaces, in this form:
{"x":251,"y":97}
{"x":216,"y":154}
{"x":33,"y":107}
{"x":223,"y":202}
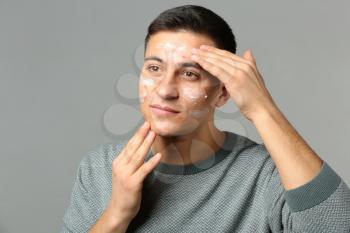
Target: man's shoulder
{"x":244,"y":144}
{"x":248,"y":150}
{"x":251,"y":159}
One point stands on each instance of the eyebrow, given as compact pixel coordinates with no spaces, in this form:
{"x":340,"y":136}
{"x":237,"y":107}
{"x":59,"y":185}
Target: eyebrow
{"x":181,"y":64}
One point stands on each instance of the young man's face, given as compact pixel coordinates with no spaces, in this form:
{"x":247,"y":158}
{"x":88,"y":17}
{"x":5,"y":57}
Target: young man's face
{"x":169,"y":78}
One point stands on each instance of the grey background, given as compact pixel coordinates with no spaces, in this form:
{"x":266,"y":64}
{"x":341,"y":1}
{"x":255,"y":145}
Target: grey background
{"x":60,"y":62}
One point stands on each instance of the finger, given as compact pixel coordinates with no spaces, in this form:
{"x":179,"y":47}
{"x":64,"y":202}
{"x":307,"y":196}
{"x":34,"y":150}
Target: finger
{"x":226,"y":58}
{"x":138,"y":158}
{"x":230,"y":58}
{"x":147,"y":167}
{"x":231,"y":70}
{"x":248,"y":54}
{"x":219,"y":70}
{"x":136,"y":141}
{"x":245,"y":63}
{"x":226,"y":53}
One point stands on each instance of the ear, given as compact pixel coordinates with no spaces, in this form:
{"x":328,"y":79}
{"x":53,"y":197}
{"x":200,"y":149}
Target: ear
{"x":222,"y":97}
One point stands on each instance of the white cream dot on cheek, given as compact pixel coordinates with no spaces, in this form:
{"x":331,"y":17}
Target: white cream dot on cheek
{"x":193,"y":94}
{"x":148,"y":82}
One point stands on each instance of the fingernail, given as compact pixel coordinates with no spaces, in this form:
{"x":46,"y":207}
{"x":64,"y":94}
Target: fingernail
{"x":157,"y":156}
{"x":145,"y":124}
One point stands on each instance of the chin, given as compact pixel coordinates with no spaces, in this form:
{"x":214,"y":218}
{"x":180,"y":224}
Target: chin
{"x":163,"y":129}
{"x":166,"y":129}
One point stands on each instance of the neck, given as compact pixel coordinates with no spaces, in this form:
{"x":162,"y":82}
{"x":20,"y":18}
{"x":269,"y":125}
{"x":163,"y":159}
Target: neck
{"x":189,"y":148}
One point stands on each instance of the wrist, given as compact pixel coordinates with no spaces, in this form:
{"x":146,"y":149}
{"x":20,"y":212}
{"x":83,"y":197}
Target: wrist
{"x":111,"y":221}
{"x":268,"y":112}
{"x":116,"y":219}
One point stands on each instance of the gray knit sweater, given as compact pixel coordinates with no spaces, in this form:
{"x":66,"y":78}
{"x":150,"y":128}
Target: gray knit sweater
{"x":237,"y":189}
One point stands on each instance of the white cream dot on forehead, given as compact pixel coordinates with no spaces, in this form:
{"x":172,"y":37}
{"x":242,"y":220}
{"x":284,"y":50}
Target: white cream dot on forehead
{"x":166,"y":45}
{"x":181,"y":48}
{"x":169,"y":45}
{"x":174,"y":51}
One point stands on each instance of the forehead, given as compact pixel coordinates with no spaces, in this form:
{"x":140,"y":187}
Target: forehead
{"x":179,"y":40}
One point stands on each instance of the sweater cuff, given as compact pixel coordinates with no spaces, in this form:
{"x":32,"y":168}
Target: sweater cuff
{"x":315,"y":191}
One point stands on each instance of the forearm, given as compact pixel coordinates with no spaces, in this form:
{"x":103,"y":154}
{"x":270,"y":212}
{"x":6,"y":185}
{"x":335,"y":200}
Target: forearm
{"x":296,"y":162}
{"x":110,"y":222}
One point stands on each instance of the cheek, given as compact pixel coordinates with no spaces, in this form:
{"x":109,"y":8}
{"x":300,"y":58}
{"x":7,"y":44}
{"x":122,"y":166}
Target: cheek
{"x":201,"y":98}
{"x":194,"y":94}
{"x":148,"y":82}
{"x":142,"y":93}
{"x":146,"y":86}
{"x":197,"y":101}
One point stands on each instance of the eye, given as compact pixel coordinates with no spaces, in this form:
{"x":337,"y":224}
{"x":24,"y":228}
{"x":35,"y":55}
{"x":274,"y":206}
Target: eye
{"x":191,"y":75}
{"x":153,"y":68}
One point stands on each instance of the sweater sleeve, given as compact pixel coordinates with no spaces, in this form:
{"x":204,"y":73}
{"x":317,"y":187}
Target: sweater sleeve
{"x":321,"y":205}
{"x":79,"y":209}
{"x":85,"y":208}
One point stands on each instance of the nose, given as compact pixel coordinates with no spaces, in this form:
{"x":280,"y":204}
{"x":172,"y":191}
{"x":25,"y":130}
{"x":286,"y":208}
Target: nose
{"x":167,"y":88}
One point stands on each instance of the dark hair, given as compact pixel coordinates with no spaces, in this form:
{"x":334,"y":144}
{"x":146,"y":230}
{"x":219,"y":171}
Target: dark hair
{"x":197,"y":19}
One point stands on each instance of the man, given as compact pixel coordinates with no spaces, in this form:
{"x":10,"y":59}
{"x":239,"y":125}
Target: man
{"x":202,"y":179}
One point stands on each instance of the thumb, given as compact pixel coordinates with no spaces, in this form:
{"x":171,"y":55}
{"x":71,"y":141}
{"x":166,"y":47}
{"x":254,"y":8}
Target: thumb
{"x":248,"y":54}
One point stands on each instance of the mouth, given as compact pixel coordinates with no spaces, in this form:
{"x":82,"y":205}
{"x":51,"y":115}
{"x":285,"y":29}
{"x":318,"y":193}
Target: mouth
{"x":163,"y":110}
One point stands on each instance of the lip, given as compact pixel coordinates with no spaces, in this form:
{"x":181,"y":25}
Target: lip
{"x":163,"y":110}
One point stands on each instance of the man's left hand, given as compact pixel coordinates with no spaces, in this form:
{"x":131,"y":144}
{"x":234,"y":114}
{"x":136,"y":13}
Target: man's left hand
{"x":240,"y":76}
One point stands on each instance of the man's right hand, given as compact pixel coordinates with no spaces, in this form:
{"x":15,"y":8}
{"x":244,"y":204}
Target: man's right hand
{"x":129,"y":171}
